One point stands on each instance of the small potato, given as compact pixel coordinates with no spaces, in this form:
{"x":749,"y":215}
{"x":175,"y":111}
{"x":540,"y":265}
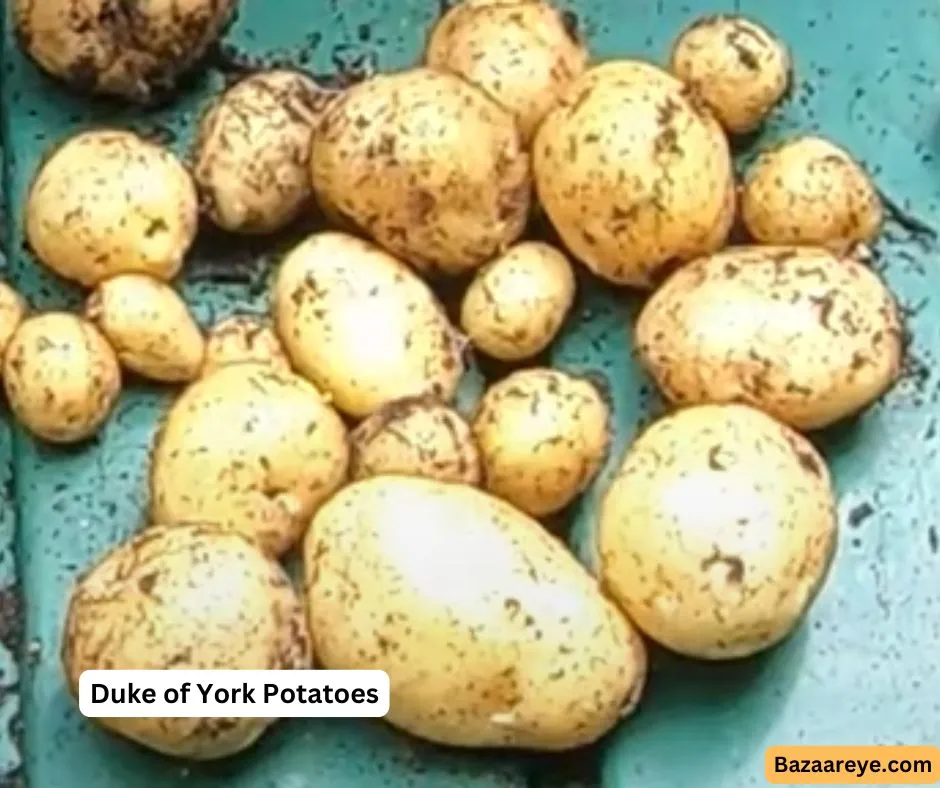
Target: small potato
{"x":718,"y":531}
{"x":13,"y":309}
{"x":149,"y":326}
{"x":492,"y":633}
{"x":418,"y":436}
{"x":516,"y":304}
{"x":808,"y":191}
{"x":189,"y":597}
{"x":362,"y":326}
{"x":797,"y":332}
{"x":242,"y":338}
{"x":544,"y":435}
{"x":107,"y":203}
{"x":61,"y":377}
{"x":740,"y":68}
{"x":251,"y":449}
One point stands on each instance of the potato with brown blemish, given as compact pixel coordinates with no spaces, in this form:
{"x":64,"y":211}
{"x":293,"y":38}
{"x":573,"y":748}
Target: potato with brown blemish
{"x":425,"y":164}
{"x":806,"y":336}
{"x":492,"y":633}
{"x":241,"y":338}
{"x":61,"y":377}
{"x":516,"y":304}
{"x":108,"y":202}
{"x":634,"y":173}
{"x":544,"y":435}
{"x":191,"y":597}
{"x":13,"y":309}
{"x":718,"y":531}
{"x":250,"y":448}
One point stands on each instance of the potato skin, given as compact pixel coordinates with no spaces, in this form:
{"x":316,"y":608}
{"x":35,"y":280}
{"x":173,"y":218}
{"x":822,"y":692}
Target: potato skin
{"x":797,"y":332}
{"x":13,"y":310}
{"x":108,"y":202}
{"x":251,"y":449}
{"x":362,"y":326}
{"x":61,"y":377}
{"x":718,"y":531}
{"x":241,"y":338}
{"x":189,"y":597}
{"x":492,"y":634}
{"x":427,"y":165}
{"x":543,"y":434}
{"x":515,"y":304}
{"x":634,"y":173}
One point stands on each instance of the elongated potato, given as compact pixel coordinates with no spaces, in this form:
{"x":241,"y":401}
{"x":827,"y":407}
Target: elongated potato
{"x":13,"y":309}
{"x":241,"y":338}
{"x":797,"y":332}
{"x":492,"y":634}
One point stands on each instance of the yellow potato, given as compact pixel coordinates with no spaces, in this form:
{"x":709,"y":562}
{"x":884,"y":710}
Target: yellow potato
{"x":242,"y":338}
{"x":13,"y":309}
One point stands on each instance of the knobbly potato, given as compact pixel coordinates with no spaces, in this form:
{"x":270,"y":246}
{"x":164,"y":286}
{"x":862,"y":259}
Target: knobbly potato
{"x":242,"y":338}
{"x":718,"y":531}
{"x":738,"y":66}
{"x":13,"y":310}
{"x":252,"y":449}
{"x":634,"y":173}
{"x":362,"y":326}
{"x":492,"y":633}
{"x":61,"y":377}
{"x":543,"y":435}
{"x":418,"y":436}
{"x":797,"y":332}
{"x":109,"y":202}
{"x":189,"y":597}
{"x":149,"y":326}
{"x":809,"y":191}
{"x":427,"y":165}
{"x":515,"y":305}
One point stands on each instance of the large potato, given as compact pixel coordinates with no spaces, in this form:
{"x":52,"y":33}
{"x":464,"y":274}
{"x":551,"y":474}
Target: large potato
{"x":492,"y":634}
{"x":797,"y":332}
{"x":109,"y":202}
{"x":189,"y":597}
{"x":13,"y":309}
{"x":363,"y":326}
{"x":252,"y":449}
{"x":427,"y":165}
{"x":241,"y":338}
{"x":718,"y":531}
{"x":634,"y":173}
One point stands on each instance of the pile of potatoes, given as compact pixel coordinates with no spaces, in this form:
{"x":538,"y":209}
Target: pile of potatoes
{"x":330,"y":425}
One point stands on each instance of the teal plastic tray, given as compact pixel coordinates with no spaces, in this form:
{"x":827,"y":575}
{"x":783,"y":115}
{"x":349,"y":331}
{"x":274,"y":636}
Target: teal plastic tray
{"x":864,"y":667}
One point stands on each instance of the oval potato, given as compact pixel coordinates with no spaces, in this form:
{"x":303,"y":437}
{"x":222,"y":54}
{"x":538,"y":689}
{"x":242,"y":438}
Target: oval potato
{"x":13,"y":310}
{"x":241,"y":338}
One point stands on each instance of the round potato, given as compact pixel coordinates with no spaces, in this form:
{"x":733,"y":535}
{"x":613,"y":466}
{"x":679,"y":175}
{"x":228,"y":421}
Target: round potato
{"x":543,"y":435}
{"x":362,"y":326}
{"x":797,"y":332}
{"x":515,"y":305}
{"x":251,"y":449}
{"x":189,"y":597}
{"x":809,"y":191}
{"x":634,"y":173}
{"x":492,"y":634}
{"x":427,"y":165}
{"x":241,"y":338}
{"x":149,"y":326}
{"x":109,"y":202}
{"x":738,"y":66}
{"x":718,"y":531}
{"x":61,"y":376}
{"x":13,"y":309}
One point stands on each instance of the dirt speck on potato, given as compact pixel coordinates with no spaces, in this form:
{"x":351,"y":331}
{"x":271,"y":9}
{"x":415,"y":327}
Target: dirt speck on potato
{"x":243,"y":338}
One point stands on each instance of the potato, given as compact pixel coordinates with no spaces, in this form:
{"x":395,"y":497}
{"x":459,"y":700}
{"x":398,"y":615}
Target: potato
{"x":797,"y":332}
{"x":718,"y":531}
{"x":252,"y":449}
{"x":362,"y":326}
{"x":427,"y":165}
{"x":739,"y":67}
{"x":416,"y":436}
{"x":522,"y":54}
{"x":809,"y":191}
{"x":109,"y":202}
{"x":544,"y":434}
{"x":136,"y":51}
{"x":190,"y":597}
{"x":61,"y":377}
{"x":634,"y":173}
{"x":241,"y":338}
{"x":13,"y":309}
{"x":492,"y":634}
{"x":149,"y":326}
{"x":515,"y":304}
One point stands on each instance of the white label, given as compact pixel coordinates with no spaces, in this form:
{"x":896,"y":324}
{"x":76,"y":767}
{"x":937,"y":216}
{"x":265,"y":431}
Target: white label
{"x":233,"y":693}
